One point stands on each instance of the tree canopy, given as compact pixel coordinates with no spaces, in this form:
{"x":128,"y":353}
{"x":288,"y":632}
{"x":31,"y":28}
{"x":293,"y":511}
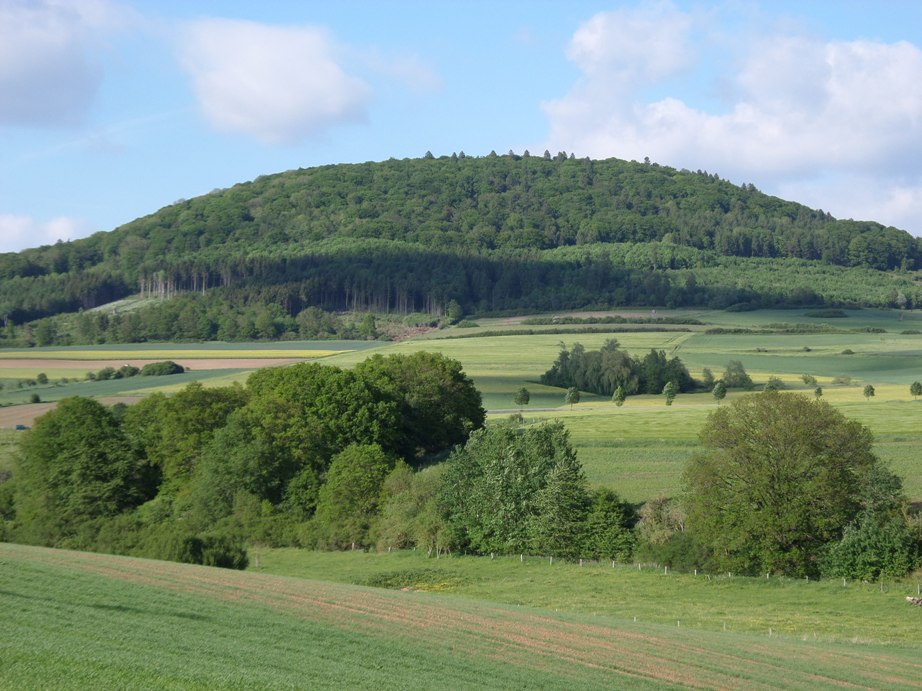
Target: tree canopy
{"x":779,"y":478}
{"x":605,"y":370}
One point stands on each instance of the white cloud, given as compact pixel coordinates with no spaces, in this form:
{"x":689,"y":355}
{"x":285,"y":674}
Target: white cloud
{"x":278,"y":84}
{"x":19,"y":232}
{"x":801,"y":110}
{"x":47,"y":73}
{"x":649,"y":43}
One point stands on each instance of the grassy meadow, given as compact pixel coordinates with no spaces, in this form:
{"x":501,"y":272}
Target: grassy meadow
{"x":638,"y":449}
{"x":641,"y":448}
{"x":97,"y":621}
{"x":403,"y":620}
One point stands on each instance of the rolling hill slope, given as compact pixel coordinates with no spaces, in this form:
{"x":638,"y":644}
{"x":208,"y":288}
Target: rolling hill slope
{"x":74,"y":619}
{"x":484,"y":234}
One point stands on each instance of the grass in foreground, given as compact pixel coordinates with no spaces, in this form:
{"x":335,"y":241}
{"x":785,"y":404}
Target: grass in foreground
{"x":77,"y":620}
{"x":796,"y":609}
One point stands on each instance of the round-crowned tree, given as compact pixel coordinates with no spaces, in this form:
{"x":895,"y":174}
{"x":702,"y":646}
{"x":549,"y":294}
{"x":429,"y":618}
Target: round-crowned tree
{"x":74,"y":466}
{"x":780,"y":476}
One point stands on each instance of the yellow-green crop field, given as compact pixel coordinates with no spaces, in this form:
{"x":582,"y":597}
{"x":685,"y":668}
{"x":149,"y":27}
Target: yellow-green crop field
{"x":129,"y":354}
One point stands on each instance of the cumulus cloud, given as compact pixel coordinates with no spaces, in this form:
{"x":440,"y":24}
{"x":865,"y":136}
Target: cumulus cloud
{"x":48,"y":76}
{"x":278,"y":84}
{"x":801,"y":111}
{"x":18,"y":232}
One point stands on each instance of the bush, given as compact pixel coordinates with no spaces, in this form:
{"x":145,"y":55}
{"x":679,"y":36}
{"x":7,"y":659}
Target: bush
{"x":105,"y":374}
{"x":681,"y":552}
{"x":874,"y":547}
{"x":158,"y":369}
{"x":773,"y":384}
{"x":224,"y":552}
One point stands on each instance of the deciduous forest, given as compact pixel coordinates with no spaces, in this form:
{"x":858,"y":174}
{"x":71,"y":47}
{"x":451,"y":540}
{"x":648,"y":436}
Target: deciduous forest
{"x":488,"y":234}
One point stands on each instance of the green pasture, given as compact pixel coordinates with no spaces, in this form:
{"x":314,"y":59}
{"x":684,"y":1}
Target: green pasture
{"x":641,"y":448}
{"x":816,"y":610}
{"x":77,"y":620}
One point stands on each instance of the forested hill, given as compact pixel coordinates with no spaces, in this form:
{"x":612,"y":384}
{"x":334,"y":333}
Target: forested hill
{"x":413,"y":234}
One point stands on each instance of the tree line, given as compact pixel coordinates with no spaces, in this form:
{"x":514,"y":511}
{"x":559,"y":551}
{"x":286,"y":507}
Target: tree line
{"x":230,"y":464}
{"x":395,"y":454}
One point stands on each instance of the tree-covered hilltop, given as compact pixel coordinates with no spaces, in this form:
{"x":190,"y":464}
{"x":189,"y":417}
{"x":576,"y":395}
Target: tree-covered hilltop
{"x":495,"y":232}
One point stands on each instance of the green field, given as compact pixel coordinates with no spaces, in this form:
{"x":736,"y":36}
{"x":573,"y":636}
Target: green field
{"x":78,"y":620}
{"x":639,"y":449}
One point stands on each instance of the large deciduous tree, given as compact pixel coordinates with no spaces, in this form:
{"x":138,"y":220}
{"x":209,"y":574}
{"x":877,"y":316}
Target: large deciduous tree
{"x":780,"y":476}
{"x":511,"y":489}
{"x":438,"y":404}
{"x":75,"y":466}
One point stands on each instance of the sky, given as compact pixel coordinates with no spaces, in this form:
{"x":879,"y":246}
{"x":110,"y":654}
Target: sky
{"x":111,"y":109}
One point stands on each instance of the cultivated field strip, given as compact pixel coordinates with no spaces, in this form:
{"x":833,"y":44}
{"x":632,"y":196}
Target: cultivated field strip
{"x":153,"y":355}
{"x":592,"y":651}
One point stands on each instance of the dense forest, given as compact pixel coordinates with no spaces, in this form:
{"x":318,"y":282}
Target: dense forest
{"x":494,"y":233}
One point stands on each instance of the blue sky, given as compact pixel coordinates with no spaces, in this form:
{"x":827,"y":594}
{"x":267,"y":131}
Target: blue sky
{"x":112,"y":109}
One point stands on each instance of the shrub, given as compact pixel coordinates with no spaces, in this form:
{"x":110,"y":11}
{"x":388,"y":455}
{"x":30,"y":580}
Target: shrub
{"x":224,"y":552}
{"x":773,"y":384}
{"x":157,"y":369}
{"x":105,"y":374}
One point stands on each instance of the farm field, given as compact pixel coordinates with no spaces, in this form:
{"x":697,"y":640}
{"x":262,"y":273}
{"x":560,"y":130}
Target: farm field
{"x":89,"y":620}
{"x":214,"y":364}
{"x":639,"y":449}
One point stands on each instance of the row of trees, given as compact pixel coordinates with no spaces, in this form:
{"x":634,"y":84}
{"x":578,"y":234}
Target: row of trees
{"x":321,"y":457}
